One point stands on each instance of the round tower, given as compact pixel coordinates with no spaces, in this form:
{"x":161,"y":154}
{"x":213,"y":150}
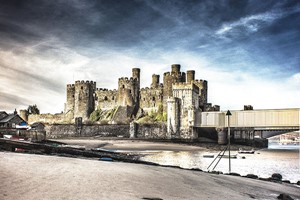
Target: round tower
{"x":190,"y":76}
{"x":69,"y":107}
{"x":155,"y":81}
{"x":136,"y":86}
{"x":175,"y":68}
{"x":136,"y":73}
{"x":84,"y":99}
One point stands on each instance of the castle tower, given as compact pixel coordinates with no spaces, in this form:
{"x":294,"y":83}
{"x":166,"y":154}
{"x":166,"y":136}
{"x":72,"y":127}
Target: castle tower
{"x":69,"y":106}
{"x":173,"y":118}
{"x":136,"y":85}
{"x":202,"y":84}
{"x":136,"y":73}
{"x":175,"y":76}
{"x":188,"y":95}
{"x":175,"y":68}
{"x":155,"y":81}
{"x":126,"y":90}
{"x":84,"y":99}
{"x":190,"y":76}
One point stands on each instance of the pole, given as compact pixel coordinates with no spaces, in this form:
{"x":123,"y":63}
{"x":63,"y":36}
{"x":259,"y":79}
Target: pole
{"x":229,"y":144}
{"x":228,"y":114}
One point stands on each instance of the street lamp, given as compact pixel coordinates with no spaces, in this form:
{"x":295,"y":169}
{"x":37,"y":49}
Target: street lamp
{"x":228,"y":115}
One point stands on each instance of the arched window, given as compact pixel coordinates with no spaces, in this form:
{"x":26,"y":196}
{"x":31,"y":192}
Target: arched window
{"x":153,"y":98}
{"x":123,"y":86}
{"x":82,"y":87}
{"x":113,"y":98}
{"x":105,"y":98}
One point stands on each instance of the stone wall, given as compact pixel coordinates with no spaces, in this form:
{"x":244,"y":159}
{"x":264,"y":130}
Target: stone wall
{"x":70,"y":130}
{"x":151,"y":98}
{"x":46,"y":118}
{"x":143,"y":131}
{"x":106,"y":99}
{"x":152,"y":131}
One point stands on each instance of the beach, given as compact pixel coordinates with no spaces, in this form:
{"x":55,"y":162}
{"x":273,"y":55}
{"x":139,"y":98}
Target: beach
{"x":30,"y":176}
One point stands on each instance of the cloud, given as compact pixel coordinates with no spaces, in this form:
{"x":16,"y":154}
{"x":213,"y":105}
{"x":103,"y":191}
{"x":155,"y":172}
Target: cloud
{"x":45,"y":45}
{"x":253,"y":23}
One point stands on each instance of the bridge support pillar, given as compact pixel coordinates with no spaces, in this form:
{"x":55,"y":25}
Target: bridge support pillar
{"x":222,"y":135}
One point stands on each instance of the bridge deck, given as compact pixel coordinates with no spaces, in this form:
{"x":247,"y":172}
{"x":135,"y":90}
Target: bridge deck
{"x":264,"y":119}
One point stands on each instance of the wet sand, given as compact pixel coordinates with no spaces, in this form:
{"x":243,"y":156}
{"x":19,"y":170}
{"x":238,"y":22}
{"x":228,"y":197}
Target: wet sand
{"x":29,"y":176}
{"x":130,"y":145}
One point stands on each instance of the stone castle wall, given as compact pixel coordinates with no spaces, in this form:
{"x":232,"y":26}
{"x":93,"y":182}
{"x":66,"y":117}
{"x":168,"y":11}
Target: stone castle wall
{"x":151,"y":98}
{"x":143,"y":131}
{"x":106,"y":99}
{"x":46,"y":118}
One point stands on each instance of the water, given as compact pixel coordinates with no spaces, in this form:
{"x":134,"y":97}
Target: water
{"x":276,"y":159}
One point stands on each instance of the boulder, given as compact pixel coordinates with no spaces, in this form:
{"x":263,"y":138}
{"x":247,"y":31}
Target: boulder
{"x":276,"y":177}
{"x":284,"y":197}
{"x":253,"y":176}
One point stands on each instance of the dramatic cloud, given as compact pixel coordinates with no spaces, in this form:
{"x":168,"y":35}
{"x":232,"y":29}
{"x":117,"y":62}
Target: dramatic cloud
{"x":247,"y":50}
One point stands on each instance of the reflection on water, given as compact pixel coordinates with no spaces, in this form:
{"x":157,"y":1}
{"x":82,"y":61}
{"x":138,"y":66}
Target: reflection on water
{"x":263,"y":163}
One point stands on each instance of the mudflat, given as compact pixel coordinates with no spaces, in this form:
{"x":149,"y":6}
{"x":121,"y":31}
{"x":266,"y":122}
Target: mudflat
{"x":29,"y":176}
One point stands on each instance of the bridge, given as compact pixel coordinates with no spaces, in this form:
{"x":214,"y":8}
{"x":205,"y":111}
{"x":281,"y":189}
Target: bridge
{"x":251,"y":124}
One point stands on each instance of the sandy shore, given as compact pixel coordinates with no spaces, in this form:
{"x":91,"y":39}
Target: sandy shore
{"x":137,"y":145}
{"x":28,"y":176}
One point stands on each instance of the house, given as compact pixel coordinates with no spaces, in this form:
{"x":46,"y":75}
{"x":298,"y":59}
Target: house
{"x":10,"y":120}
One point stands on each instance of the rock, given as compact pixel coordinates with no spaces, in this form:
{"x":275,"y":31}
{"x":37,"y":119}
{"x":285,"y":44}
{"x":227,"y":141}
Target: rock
{"x":252,"y":176}
{"x":234,"y":174}
{"x":284,"y":197}
{"x":276,"y":177}
{"x":286,"y":181}
{"x":298,"y":183}
{"x":264,"y":179}
{"x":216,"y":172}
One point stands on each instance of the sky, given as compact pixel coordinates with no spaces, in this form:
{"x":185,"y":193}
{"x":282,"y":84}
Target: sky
{"x":248,"y":51}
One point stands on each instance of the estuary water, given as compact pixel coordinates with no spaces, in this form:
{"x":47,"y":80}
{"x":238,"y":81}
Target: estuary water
{"x":283,"y":159}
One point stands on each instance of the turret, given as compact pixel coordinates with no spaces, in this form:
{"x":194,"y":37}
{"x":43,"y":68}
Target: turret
{"x":136,"y":73}
{"x":155,"y":81}
{"x":190,"y":76}
{"x":175,"y":68}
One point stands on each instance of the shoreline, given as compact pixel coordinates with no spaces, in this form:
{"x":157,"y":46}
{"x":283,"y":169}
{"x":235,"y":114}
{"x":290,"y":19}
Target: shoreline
{"x":112,"y":143}
{"x":58,"y":170}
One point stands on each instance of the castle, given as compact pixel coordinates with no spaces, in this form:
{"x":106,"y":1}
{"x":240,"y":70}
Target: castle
{"x":181,"y":98}
{"x":84,"y":97}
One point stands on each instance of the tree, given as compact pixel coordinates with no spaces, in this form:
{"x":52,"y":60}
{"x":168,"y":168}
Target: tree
{"x":33,"y":109}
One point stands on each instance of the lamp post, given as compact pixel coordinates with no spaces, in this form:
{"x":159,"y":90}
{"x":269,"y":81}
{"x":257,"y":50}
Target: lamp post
{"x":228,"y":115}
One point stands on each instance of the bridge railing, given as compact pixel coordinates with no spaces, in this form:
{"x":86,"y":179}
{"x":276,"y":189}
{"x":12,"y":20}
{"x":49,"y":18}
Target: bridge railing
{"x":253,"y":118}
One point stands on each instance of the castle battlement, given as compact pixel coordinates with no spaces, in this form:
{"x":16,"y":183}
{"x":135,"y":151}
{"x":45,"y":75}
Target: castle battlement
{"x":102,"y":89}
{"x":200,"y":81}
{"x":127,"y":80}
{"x":106,"y":90}
{"x":70,"y":86}
{"x":185,"y":86}
{"x":168,"y":74}
{"x":145,"y":89}
{"x":85,"y":82}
